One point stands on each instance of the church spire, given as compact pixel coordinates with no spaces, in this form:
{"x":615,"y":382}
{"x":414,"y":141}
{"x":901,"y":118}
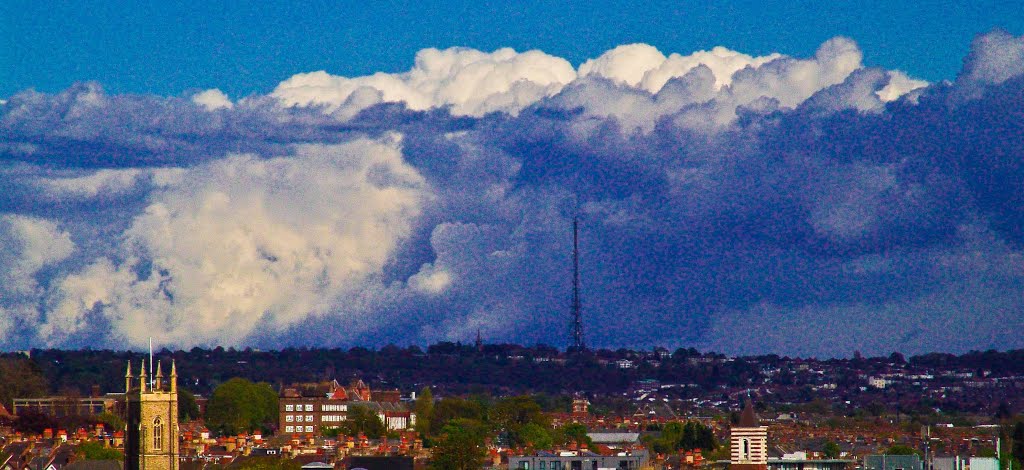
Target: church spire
{"x":128,"y":378}
{"x":174,"y":378}
{"x":142,"y":378}
{"x":158,"y":383}
{"x":747,"y":418}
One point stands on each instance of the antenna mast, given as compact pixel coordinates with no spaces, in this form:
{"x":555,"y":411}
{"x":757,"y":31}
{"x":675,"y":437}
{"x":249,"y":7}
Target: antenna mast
{"x":150,"y":378}
{"x":577,"y":314}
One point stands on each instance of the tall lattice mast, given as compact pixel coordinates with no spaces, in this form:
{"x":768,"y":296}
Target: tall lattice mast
{"x":577,"y":314}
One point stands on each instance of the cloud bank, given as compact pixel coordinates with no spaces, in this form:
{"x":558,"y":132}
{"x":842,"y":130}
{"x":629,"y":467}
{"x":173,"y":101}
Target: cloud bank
{"x":811,"y":206}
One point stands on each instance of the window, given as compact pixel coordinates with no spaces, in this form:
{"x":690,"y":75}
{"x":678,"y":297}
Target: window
{"x":289,"y":407}
{"x":309,"y":407}
{"x":745,"y":453}
{"x":309,"y":428}
{"x":542,"y":465}
{"x":289,"y":428}
{"x":289,"y":418}
{"x":158,"y":434}
{"x":309,"y":418}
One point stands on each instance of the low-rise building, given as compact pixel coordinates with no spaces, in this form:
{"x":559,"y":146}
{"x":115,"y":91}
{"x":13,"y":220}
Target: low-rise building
{"x":579,"y":460}
{"x":307,"y":408}
{"x":61,"y":406}
{"x":893,"y":462}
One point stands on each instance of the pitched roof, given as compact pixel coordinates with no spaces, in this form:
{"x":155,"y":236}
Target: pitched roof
{"x":748,"y":419}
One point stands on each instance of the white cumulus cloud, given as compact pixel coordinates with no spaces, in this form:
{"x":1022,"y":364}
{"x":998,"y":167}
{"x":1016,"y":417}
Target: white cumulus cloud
{"x":470,"y":81}
{"x":27,"y":245}
{"x":245,"y":244}
{"x":212,"y":99}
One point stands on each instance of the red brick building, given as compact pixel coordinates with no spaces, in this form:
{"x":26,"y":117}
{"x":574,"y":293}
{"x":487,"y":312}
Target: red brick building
{"x":307,"y":408}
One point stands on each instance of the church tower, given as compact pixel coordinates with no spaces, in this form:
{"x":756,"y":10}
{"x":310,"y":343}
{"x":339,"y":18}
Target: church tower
{"x":748,"y":442}
{"x":151,"y":437}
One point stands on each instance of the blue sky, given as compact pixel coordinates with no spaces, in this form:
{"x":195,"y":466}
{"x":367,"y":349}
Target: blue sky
{"x":832,"y":179}
{"x":248,"y":47}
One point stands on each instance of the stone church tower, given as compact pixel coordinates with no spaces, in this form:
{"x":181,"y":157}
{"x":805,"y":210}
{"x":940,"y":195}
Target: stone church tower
{"x":151,"y":440}
{"x":748,"y":442}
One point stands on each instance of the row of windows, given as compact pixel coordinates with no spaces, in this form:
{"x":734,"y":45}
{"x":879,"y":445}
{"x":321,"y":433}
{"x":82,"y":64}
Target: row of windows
{"x":310,"y":408}
{"x":298,"y":418}
{"x":542,"y":465}
{"x":297,"y":429}
{"x":332,"y":418}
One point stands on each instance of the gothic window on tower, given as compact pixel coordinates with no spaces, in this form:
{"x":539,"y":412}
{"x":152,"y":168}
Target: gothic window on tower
{"x":158,"y":434}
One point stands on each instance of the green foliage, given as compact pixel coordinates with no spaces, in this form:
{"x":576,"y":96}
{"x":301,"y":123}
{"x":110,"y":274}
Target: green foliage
{"x":831,"y":450}
{"x":553,"y":403}
{"x":266,"y":463}
{"x":111,"y":421}
{"x":20,"y":378}
{"x":899,"y":449}
{"x":455,"y":408}
{"x":239,"y":405}
{"x":534,"y":436}
{"x":187,"y":407}
{"x":511,"y":415}
{"x":424,"y":409}
{"x":93,"y":450}
{"x":361,"y":419}
{"x":460,"y":446}
{"x":686,"y":436}
{"x":572,"y":433}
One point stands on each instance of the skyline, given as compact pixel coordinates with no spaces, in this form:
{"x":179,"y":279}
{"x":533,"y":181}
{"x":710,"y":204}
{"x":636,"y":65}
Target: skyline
{"x":807,"y":200}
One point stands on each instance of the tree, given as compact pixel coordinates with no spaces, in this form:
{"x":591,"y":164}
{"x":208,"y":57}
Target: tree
{"x":239,"y":405}
{"x":534,"y":436}
{"x":460,"y":447}
{"x":900,"y":450}
{"x":455,"y":408}
{"x":831,"y":450}
{"x":187,"y":407}
{"x":20,"y":378}
{"x":361,"y":419}
{"x":93,"y":450}
{"x":424,"y":409}
{"x":573,"y":433}
{"x":112,"y":421}
{"x":33,"y":422}
{"x":511,"y":415}
{"x":687,"y":436}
